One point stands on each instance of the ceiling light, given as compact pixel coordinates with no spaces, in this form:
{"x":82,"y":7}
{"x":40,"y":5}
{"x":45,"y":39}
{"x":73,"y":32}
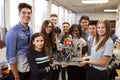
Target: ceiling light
{"x":110,"y":10}
{"x":94,"y":1}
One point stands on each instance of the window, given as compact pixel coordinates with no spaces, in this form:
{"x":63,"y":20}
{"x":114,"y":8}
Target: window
{"x":41,"y":8}
{"x":73,"y":19}
{"x":61,"y":16}
{"x":2,"y":20}
{"x":54,"y":9}
{"x":66,"y":15}
{"x":2,"y":16}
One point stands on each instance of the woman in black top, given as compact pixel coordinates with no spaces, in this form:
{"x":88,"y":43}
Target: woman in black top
{"x":38,"y":58}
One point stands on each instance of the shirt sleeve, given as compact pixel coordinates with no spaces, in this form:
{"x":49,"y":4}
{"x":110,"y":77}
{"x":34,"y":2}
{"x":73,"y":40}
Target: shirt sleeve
{"x":108,"y":49}
{"x":11,"y":42}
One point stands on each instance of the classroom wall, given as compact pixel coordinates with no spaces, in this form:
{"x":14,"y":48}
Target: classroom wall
{"x":117,"y":30}
{"x":97,"y":16}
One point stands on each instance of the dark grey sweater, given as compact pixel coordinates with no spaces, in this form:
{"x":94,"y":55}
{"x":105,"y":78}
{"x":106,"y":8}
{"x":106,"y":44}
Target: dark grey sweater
{"x":39,"y":65}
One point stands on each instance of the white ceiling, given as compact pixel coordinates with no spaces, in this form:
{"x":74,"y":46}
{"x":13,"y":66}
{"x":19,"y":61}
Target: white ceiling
{"x":77,"y":7}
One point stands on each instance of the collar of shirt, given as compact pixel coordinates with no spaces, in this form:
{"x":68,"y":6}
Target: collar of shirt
{"x":21,"y":27}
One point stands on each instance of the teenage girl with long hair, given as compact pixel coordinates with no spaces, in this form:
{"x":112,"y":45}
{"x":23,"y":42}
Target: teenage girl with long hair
{"x":38,"y":58}
{"x":101,"y":53}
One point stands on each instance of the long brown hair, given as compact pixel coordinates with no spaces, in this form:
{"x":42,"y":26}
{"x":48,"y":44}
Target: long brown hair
{"x":107,"y":34}
{"x":50,"y":39}
{"x":32,"y":46}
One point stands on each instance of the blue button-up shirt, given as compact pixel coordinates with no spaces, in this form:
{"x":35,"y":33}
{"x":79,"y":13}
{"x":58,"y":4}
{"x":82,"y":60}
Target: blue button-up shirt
{"x":17,"y":42}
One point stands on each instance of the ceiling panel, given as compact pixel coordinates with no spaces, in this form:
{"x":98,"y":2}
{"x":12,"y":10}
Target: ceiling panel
{"x":78,"y":7}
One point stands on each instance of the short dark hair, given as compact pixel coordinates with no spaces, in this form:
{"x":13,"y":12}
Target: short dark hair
{"x":65,"y":23}
{"x":24,"y":5}
{"x":84,"y":17}
{"x":53,"y":15}
{"x":92,"y":23}
{"x":57,"y":30}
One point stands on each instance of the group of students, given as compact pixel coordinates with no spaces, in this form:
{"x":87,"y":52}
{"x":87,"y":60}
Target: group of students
{"x":30,"y":55}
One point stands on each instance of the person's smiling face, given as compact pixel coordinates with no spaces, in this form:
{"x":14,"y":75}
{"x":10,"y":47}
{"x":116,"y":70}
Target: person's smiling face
{"x":101,"y":29}
{"x":25,"y":15}
{"x":38,"y":43}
